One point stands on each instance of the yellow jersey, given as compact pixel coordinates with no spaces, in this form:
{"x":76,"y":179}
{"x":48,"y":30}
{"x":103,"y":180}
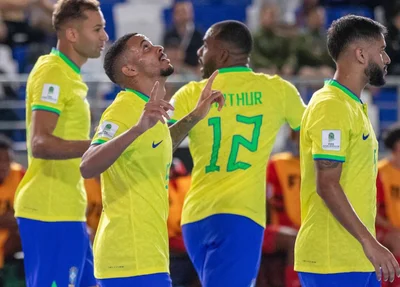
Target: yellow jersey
{"x":336,"y":127}
{"x":230,"y":148}
{"x":52,"y":190}
{"x":132,"y":236}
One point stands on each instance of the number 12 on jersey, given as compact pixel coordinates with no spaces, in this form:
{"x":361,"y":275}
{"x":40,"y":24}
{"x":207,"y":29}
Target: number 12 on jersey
{"x":237,"y":141}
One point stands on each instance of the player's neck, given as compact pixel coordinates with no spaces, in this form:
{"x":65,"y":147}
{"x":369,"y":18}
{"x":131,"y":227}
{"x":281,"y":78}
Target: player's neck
{"x":351,"y":80}
{"x":145,"y":85}
{"x":71,"y":54}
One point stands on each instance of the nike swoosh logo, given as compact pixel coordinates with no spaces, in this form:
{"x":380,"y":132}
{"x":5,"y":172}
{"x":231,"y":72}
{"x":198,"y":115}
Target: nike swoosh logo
{"x":156,"y":145}
{"x":365,"y":137}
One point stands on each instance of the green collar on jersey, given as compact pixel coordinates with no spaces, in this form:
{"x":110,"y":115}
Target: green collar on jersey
{"x":73,"y":66}
{"x":234,"y":69}
{"x":139,"y":94}
{"x":345,"y":90}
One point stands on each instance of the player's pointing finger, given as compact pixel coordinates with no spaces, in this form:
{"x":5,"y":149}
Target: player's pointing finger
{"x":211,"y":80}
{"x":154,"y":91}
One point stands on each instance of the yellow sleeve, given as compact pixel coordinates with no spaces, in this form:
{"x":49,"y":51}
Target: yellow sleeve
{"x":111,"y":125}
{"x":294,"y":105}
{"x":50,"y":91}
{"x":328,"y":128}
{"x":180,"y":102}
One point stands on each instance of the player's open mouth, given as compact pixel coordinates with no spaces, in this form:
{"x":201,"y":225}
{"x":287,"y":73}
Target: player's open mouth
{"x":163,"y":57}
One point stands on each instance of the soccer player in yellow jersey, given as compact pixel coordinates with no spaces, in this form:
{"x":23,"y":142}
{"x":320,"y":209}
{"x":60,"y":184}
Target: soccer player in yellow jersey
{"x":223,"y":215}
{"x":50,"y":203}
{"x":132,"y":150}
{"x":336,"y":244}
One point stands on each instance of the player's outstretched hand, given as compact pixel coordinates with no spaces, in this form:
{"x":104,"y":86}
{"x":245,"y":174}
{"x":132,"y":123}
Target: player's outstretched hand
{"x":208,"y":97}
{"x":155,"y":110}
{"x":383,"y":261}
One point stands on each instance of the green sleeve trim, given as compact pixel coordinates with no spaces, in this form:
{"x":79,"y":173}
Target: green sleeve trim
{"x":329,"y":157}
{"x":296,"y":129}
{"x":98,"y":141}
{"x":171,"y":121}
{"x":45,"y":108}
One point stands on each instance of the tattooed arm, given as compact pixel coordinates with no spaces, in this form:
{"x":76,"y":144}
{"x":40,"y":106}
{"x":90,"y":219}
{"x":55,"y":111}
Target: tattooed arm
{"x":180,"y":129}
{"x":329,"y":189}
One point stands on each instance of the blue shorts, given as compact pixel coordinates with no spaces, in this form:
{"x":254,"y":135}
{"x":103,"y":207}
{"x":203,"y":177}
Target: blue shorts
{"x":158,"y":279}
{"x":350,"y":279}
{"x":225,"y":249}
{"x":56,"y":253}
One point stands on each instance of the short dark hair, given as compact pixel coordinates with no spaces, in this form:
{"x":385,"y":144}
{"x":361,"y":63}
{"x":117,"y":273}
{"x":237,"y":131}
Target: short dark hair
{"x":235,"y":33}
{"x":5,"y":142}
{"x":112,"y":56}
{"x":350,"y":28}
{"x":391,"y":136}
{"x":66,"y":10}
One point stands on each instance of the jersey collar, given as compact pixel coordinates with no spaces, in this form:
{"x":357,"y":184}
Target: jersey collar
{"x":344,"y":89}
{"x":139,"y":94}
{"x":72,"y":65}
{"x":234,"y":69}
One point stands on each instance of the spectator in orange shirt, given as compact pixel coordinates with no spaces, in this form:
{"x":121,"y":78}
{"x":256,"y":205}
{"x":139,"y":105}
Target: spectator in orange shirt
{"x":94,"y":205}
{"x":181,"y":268}
{"x":11,"y":174}
{"x":283,"y":200}
{"x":388,"y":197}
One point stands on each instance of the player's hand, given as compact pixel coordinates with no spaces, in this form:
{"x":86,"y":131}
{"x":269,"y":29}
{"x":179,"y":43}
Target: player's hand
{"x":208,"y":97}
{"x":155,"y":110}
{"x":383,"y":261}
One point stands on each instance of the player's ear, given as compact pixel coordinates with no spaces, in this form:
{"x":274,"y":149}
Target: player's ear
{"x":71,"y":34}
{"x":361,"y":55}
{"x":129,"y":70}
{"x":224,"y":56}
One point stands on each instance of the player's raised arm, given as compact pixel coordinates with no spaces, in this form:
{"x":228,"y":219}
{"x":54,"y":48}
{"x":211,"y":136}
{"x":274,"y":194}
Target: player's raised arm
{"x":45,"y":145}
{"x":100,"y":157}
{"x":208,"y":96}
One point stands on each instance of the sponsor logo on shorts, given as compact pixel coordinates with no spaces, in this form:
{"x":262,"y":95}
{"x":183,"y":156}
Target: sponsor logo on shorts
{"x":73,"y":275}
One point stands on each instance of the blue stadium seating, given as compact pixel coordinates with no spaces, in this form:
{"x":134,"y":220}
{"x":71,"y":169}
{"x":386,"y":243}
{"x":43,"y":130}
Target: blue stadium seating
{"x":333,"y":13}
{"x":207,"y":15}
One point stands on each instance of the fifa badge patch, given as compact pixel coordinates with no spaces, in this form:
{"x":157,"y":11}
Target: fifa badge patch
{"x":50,"y":93}
{"x":331,"y":140}
{"x":73,"y":275}
{"x":107,"y":130}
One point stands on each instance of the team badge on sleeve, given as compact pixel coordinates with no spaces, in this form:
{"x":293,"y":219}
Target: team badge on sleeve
{"x":50,"y":93}
{"x":107,"y":130}
{"x":331,"y":140}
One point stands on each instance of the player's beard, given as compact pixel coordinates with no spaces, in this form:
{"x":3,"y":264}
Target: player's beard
{"x":375,"y":74}
{"x":209,"y":68}
{"x":167,"y":72}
